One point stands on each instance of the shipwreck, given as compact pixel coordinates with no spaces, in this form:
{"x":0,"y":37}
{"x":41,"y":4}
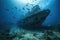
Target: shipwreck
{"x":35,"y":18}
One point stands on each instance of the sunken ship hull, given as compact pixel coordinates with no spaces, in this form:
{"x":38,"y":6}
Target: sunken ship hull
{"x":34,"y":20}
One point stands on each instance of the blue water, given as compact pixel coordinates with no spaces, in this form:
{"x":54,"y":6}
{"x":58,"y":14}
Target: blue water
{"x":10,"y":12}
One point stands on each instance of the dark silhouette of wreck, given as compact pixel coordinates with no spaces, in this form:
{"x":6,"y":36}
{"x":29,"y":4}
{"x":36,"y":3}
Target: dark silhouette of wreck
{"x":35,"y":19}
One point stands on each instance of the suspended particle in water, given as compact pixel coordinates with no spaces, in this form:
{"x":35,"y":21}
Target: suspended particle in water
{"x":28,"y":9}
{"x":35,"y":0}
{"x":26,"y":4}
{"x":29,"y":12}
{"x":23,"y":8}
{"x":32,"y":4}
{"x":7,"y":9}
{"x":15,"y":7}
